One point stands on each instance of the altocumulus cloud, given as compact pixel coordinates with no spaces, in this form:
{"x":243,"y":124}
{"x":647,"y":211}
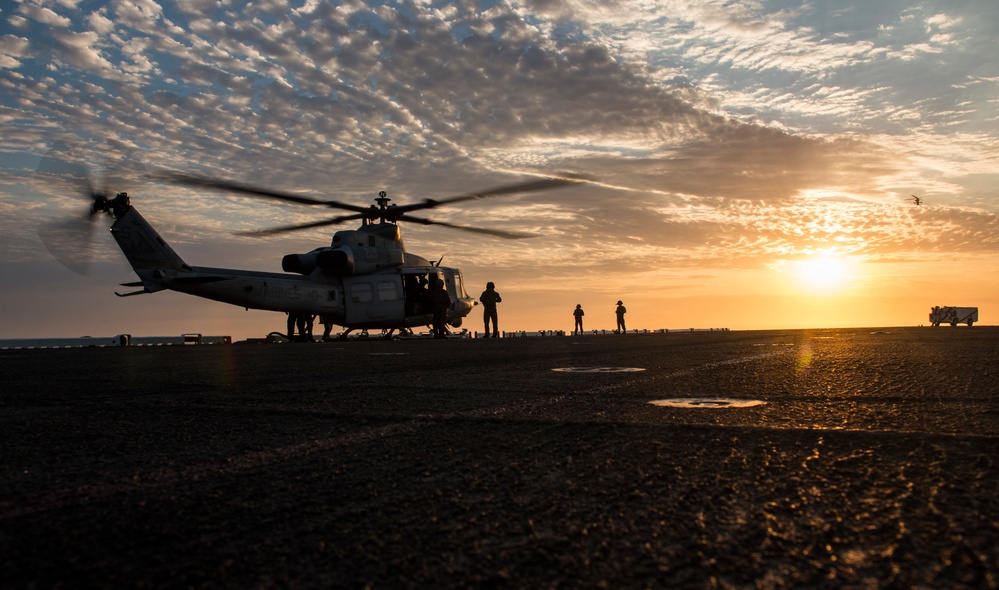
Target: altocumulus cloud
{"x":711,"y":127}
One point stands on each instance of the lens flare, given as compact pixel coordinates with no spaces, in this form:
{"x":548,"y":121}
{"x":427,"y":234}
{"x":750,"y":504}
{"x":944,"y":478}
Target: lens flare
{"x":805,"y":358}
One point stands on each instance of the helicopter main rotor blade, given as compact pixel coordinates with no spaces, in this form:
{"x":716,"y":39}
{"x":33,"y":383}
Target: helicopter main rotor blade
{"x":510,"y":189}
{"x":198,"y":181}
{"x":499,"y":233}
{"x":290,"y":228}
{"x":383,"y":213}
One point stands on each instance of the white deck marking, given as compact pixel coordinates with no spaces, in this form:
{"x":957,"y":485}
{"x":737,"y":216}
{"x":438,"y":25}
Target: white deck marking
{"x":598,"y":369}
{"x":708,"y":402}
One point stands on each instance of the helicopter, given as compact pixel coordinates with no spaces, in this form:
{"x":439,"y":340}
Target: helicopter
{"x":365,"y":279}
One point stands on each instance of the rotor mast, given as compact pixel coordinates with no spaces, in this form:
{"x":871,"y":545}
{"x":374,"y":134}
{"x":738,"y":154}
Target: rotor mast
{"x":381,"y":211}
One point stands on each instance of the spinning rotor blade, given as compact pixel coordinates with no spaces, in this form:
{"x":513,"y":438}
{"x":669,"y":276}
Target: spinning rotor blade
{"x":510,"y":189}
{"x":54,"y":172}
{"x":198,"y":181}
{"x":70,"y":241}
{"x":383,"y":212}
{"x":499,"y":233}
{"x":288,"y":228}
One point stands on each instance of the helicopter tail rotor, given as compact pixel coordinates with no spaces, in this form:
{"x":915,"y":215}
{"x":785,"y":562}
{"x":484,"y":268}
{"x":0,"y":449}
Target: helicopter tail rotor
{"x":71,"y":241}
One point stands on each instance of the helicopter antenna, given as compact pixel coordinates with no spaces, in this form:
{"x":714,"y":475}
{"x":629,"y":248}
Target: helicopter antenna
{"x":439,"y":260}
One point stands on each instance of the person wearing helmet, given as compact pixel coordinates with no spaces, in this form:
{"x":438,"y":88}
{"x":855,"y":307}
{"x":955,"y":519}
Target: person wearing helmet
{"x":620,"y":311}
{"x":578,"y":314}
{"x":440,"y":301}
{"x":489,"y":299}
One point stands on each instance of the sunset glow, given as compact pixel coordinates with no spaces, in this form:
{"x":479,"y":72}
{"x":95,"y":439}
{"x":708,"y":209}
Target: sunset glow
{"x":824,"y":273}
{"x":753,"y":166}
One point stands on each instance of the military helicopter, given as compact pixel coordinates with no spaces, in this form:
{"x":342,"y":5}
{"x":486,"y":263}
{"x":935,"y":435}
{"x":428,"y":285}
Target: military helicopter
{"x":365,"y":279}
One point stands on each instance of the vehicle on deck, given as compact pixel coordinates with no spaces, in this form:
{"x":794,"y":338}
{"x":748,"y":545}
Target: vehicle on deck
{"x":953,"y":315}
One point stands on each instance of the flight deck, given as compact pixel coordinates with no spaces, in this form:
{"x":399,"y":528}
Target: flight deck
{"x":760,"y":459}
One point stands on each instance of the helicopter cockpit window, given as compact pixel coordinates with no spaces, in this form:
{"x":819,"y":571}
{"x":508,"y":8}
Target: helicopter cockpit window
{"x":361,"y":293}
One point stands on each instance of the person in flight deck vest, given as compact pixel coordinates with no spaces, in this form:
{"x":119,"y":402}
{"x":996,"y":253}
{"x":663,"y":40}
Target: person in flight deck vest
{"x":489,"y":299}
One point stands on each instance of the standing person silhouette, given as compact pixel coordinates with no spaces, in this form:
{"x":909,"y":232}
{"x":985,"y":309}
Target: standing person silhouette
{"x":327,"y":327}
{"x":620,"y":311}
{"x":441,"y":302}
{"x":489,"y":299}
{"x":578,"y":313}
{"x":310,"y":322}
{"x":300,"y":321}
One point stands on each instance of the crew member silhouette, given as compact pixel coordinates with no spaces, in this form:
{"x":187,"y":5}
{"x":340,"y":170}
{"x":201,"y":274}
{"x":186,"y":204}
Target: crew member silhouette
{"x":620,"y":311}
{"x":440,"y":301}
{"x":301,"y":320}
{"x":310,"y":322}
{"x":327,"y":322}
{"x":578,"y":314}
{"x":489,"y":299}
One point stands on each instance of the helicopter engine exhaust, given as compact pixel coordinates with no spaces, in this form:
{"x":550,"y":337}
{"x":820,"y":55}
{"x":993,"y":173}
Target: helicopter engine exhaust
{"x":302,"y":264}
{"x":335,"y":261}
{"x":338,"y":261}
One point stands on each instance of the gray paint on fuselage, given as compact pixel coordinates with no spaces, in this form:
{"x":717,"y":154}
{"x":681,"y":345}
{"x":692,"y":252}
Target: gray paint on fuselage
{"x":262,"y":290}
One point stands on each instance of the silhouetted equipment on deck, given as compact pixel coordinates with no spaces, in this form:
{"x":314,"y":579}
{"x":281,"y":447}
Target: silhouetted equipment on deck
{"x":953,"y":315}
{"x":119,"y":340}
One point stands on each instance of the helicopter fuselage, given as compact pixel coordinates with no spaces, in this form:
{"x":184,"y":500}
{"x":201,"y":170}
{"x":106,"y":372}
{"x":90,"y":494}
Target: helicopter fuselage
{"x":368,"y":296}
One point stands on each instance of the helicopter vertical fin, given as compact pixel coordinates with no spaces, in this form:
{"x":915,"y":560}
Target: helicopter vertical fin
{"x":142,"y":246}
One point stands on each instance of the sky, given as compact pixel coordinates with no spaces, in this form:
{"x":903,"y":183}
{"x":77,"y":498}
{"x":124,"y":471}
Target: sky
{"x":753,"y":162}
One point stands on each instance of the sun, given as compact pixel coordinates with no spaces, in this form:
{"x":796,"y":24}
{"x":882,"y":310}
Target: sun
{"x":824,"y":272}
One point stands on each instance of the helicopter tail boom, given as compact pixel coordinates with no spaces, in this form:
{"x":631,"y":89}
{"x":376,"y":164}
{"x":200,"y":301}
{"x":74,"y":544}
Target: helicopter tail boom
{"x":145,"y":250}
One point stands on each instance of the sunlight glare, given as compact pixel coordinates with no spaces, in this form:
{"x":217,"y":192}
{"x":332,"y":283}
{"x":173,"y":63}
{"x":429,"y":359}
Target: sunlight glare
{"x":823,"y":272}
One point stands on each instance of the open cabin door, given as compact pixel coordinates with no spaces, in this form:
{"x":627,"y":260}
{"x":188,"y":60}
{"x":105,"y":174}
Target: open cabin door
{"x":416,"y":281}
